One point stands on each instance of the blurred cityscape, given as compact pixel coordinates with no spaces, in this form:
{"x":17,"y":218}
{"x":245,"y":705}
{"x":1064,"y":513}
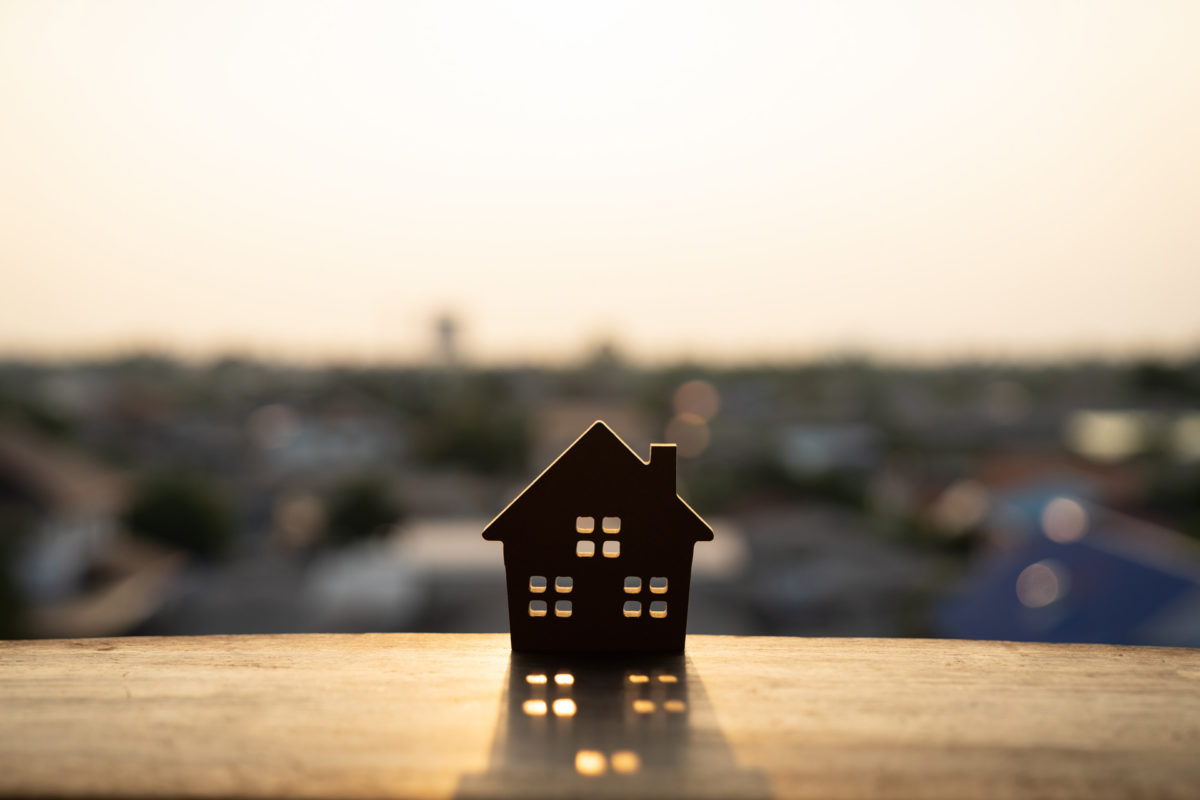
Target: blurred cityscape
{"x":145,"y":495}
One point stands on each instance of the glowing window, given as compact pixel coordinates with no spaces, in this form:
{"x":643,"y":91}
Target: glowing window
{"x":632,"y":608}
{"x":658,"y":585}
{"x":611,"y":549}
{"x":537,"y":608}
{"x":585,"y":524}
{"x":585,"y":549}
{"x":563,"y":584}
{"x":611,"y":524}
{"x":562,"y":608}
{"x":537,"y":583}
{"x":633,"y":585}
{"x":658,"y":609}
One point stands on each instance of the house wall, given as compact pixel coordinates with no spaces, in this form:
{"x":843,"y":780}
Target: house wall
{"x":649,"y":548}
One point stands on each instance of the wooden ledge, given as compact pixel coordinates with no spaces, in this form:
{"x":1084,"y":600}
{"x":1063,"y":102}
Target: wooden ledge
{"x":439,"y":715}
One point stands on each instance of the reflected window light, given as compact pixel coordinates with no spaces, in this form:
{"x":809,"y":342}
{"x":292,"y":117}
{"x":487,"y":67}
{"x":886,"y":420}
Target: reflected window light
{"x":1041,"y":584}
{"x":1064,"y":520}
{"x":564,"y":679}
{"x":564,"y":707}
{"x":590,"y":762}
{"x":535,"y":679}
{"x":636,"y":678}
{"x":534,"y":708}
{"x":626,"y":762}
{"x":643,"y":706}
{"x":675,"y":706}
{"x":667,"y":679}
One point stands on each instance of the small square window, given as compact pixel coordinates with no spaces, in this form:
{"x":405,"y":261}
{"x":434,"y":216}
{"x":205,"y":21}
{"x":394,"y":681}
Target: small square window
{"x":611,"y":549}
{"x":658,"y":609}
{"x":562,"y":608}
{"x":537,"y":608}
{"x":632,"y":609}
{"x":563,"y":584}
{"x":658,"y":585}
{"x":611,"y":524}
{"x":585,"y":549}
{"x":537,"y":583}
{"x":585,"y":524}
{"x":633,"y":585}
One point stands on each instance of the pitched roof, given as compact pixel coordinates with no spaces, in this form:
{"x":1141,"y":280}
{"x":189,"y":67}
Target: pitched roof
{"x":597,"y":445}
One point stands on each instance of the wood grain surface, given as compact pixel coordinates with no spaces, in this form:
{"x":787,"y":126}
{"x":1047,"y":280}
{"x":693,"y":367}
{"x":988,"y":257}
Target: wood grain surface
{"x":439,"y":715}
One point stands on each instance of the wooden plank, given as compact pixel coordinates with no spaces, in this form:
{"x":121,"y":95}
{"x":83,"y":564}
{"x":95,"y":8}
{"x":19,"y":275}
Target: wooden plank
{"x":429,"y":715}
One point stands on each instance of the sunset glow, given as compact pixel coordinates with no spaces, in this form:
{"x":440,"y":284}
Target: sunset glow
{"x":320,"y":180}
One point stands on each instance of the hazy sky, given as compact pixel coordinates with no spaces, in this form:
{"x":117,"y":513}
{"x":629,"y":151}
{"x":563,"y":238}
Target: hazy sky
{"x":320,"y":179}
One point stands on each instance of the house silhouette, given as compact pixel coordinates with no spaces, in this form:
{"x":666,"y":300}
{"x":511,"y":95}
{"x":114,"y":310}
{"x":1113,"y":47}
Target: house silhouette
{"x":598,"y":551}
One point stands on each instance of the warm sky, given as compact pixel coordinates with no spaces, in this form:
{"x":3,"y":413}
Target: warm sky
{"x":319,"y":180}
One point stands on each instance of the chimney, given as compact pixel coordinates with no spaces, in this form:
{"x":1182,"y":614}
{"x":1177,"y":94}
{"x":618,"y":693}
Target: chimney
{"x":662,"y":468}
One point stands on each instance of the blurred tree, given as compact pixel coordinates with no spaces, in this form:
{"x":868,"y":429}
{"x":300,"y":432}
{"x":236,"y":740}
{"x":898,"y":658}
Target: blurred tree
{"x":182,"y":511}
{"x":478,"y":425}
{"x":28,"y":411}
{"x":1174,"y":497}
{"x":14,"y":529}
{"x":1163,"y":379}
{"x":360,"y":508}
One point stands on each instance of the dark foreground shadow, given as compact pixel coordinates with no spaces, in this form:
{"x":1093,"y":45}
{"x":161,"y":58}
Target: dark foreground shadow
{"x":613,"y":726}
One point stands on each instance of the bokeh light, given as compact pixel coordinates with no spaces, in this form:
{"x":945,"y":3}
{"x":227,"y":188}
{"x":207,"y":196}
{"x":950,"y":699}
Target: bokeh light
{"x":698,"y":398}
{"x":1064,"y":520}
{"x":1042,"y":583}
{"x":690,"y":434}
{"x":1107,"y":435}
{"x":962,"y":506}
{"x":1185,"y":437}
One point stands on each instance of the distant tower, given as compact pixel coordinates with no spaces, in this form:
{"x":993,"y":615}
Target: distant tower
{"x":446,"y":328}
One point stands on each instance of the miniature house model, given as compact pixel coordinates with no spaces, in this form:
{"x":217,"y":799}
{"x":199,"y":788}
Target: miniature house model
{"x":598,"y":551}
